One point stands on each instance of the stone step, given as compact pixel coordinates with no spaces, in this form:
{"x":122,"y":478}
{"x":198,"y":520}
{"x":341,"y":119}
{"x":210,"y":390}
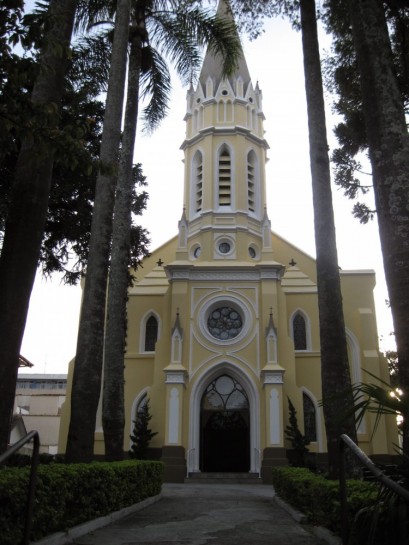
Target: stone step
{"x":223,"y":478}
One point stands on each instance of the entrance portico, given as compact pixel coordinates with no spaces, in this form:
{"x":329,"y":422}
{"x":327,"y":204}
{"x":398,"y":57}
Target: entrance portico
{"x":224,"y":428}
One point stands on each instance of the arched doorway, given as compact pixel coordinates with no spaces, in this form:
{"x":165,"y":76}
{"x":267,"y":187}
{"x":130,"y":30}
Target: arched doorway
{"x":224,"y":427}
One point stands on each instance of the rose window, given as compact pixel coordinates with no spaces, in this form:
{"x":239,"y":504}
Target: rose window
{"x":224,"y":323}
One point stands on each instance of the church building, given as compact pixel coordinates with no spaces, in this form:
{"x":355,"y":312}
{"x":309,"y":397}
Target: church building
{"x":223,"y":321}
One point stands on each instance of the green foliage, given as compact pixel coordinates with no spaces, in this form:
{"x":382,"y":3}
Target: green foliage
{"x":23,"y":460}
{"x":298,"y":441}
{"x":378,"y":399}
{"x":250,"y":14}
{"x":392,"y":359}
{"x":318,"y":498}
{"x":374,"y":512}
{"x":75,"y":141}
{"x":142,"y":434}
{"x":342,"y":79}
{"x":70,"y":494}
{"x":173,"y":32}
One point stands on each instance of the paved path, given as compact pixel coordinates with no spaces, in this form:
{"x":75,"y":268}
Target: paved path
{"x":206,"y":514}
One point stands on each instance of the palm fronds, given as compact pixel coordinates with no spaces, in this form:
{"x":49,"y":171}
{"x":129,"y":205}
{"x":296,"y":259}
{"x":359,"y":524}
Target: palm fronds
{"x":378,"y":399}
{"x":155,"y":83}
{"x":91,"y":59}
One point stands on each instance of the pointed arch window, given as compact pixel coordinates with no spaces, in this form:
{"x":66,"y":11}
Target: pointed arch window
{"x":229,"y":111}
{"x":195,"y":120}
{"x":197,"y":117}
{"x":198,"y":181}
{"x":310,"y":421}
{"x":299,"y":332}
{"x":151,"y":334}
{"x":224,"y":177}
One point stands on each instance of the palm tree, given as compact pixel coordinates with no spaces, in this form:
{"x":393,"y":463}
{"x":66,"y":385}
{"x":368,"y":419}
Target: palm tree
{"x":388,"y":141}
{"x":334,"y":357}
{"x":178,"y":30}
{"x":155,"y":79}
{"x":335,"y":376}
{"x":86,"y":383}
{"x":28,"y":206}
{"x":113,"y":416}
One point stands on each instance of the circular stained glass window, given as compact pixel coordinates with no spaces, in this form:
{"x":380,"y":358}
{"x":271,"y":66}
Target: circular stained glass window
{"x":224,"y":323}
{"x":224,"y":247}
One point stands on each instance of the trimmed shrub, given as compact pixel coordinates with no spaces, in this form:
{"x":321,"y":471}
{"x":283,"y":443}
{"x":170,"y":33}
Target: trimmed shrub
{"x":70,"y":494}
{"x":318,"y":497}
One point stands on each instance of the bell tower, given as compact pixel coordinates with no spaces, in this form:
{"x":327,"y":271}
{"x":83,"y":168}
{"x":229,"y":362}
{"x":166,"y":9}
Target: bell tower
{"x":225,"y":215}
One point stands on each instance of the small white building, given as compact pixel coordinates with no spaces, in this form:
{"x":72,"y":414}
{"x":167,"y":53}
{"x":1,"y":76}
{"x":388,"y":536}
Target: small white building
{"x":39,"y":398}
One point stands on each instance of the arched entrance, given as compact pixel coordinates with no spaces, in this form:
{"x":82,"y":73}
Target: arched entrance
{"x":224,"y":427}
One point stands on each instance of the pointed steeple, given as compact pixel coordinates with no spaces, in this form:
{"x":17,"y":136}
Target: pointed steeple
{"x":225,"y":155}
{"x":212,"y":64}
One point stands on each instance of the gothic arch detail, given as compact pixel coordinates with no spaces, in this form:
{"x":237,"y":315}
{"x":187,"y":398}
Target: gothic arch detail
{"x":312,"y":418}
{"x":198,"y":118}
{"x":225,"y":111}
{"x":300,"y":330}
{"x":198,"y":390}
{"x":251,"y":118}
{"x":137,"y":404}
{"x":150,"y":332}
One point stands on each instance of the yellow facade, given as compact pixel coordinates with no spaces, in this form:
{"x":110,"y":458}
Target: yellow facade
{"x":228,"y":299}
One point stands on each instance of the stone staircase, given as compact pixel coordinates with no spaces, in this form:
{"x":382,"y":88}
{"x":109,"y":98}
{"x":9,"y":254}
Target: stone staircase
{"x":223,"y":478}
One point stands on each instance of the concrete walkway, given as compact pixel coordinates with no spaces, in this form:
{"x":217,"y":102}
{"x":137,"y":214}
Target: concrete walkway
{"x":201,"y":514}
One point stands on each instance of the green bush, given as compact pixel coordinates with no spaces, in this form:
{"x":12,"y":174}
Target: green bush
{"x":70,"y":494}
{"x":318,"y":497}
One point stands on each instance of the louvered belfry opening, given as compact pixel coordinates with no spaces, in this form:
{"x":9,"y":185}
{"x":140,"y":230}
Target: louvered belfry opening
{"x":198,"y":174}
{"x":224,"y":178}
{"x":250,"y":182}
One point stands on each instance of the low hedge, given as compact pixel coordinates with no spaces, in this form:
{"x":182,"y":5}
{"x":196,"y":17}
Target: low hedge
{"x":70,"y":494}
{"x":318,"y":498}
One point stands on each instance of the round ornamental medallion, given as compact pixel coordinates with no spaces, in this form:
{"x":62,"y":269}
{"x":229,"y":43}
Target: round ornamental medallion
{"x":224,"y":323}
{"x":224,"y":247}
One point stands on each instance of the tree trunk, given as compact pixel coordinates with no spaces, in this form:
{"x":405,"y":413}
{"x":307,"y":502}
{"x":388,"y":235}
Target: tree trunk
{"x":86,"y":386}
{"x":389,"y":154}
{"x":28,"y":208}
{"x":335,"y":376}
{"x":113,"y":415}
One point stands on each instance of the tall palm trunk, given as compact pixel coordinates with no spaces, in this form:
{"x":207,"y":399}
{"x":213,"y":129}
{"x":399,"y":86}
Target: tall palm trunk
{"x":28,"y":208}
{"x":113,"y":415}
{"x":334,"y":357}
{"x":86,"y":386}
{"x":389,"y":154}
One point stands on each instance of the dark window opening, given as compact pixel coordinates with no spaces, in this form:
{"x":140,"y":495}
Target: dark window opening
{"x":299,"y":332}
{"x":151,"y":334}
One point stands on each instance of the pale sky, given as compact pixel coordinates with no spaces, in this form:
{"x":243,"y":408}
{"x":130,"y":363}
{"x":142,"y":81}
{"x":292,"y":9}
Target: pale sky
{"x":275,"y":61}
